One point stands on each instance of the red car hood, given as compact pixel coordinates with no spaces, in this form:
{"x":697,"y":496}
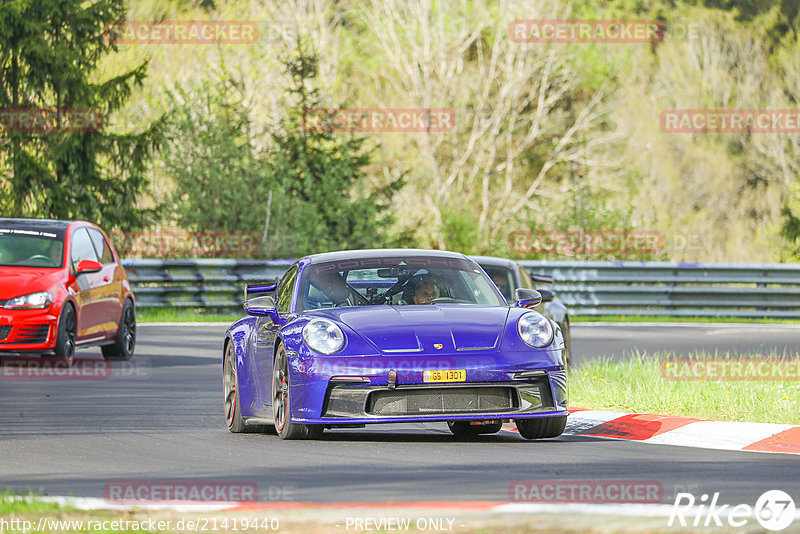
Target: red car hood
{"x":18,"y":281}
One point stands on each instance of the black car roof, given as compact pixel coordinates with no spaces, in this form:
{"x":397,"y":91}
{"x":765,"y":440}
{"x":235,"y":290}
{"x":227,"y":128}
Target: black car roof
{"x":38,"y":224}
{"x":380,"y":253}
{"x":494,"y":262}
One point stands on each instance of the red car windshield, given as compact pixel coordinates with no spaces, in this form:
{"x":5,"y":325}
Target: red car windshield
{"x":28,"y":247}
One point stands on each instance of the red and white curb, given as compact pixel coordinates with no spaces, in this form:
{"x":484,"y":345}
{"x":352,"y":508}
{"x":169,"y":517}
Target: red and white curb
{"x":684,"y":431}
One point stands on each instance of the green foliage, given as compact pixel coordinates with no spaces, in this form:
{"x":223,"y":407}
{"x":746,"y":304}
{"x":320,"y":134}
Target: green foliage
{"x":586,"y":226}
{"x":221,"y":183}
{"x":790,"y":227}
{"x":49,"y":52}
{"x":324,"y":203}
{"x":460,"y":231}
{"x":316,"y":179}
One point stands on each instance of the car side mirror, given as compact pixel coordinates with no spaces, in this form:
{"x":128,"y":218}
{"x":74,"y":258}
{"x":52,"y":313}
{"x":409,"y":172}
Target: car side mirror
{"x":526,"y":298}
{"x":88,"y":266}
{"x":257,"y":289}
{"x":547,"y":295}
{"x":262,"y":307}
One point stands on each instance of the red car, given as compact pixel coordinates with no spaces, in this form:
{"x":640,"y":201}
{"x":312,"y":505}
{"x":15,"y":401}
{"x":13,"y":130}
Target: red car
{"x":62,"y":286}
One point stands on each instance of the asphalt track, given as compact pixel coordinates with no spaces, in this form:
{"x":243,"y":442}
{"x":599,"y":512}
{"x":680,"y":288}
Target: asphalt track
{"x":160,"y":419}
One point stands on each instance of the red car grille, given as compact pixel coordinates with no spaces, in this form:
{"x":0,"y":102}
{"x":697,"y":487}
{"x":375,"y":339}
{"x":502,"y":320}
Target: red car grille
{"x":28,"y":335}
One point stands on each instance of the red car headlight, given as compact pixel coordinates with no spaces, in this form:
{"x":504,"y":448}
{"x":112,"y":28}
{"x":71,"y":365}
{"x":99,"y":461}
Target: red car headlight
{"x":32,"y":301}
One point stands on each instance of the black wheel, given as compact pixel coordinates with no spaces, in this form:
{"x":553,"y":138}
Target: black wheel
{"x":462,"y":429}
{"x":567,"y":342}
{"x":230,"y":392}
{"x":281,"y":400}
{"x":542,"y":427}
{"x":65,"y":340}
{"x":125,"y":342}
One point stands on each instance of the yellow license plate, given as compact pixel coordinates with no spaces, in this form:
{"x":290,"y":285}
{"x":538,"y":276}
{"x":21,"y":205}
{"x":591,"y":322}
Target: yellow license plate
{"x":450,"y":375}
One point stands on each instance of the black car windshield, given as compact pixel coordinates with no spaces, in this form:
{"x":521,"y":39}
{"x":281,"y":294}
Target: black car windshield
{"x":30,"y":247}
{"x":503,"y":278}
{"x":416,"y":280}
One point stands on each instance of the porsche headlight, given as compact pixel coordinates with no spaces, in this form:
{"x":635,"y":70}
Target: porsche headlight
{"x":535,"y":330}
{"x":34,"y":301}
{"x":322,"y":335}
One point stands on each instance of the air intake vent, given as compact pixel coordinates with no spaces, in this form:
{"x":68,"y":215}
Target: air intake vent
{"x":442,"y":401}
{"x":31,"y":335}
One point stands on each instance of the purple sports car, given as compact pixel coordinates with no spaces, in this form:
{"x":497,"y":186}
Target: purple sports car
{"x":388,"y":336}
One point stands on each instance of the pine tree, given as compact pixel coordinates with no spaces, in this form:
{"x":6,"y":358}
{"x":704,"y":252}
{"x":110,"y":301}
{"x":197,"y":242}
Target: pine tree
{"x":49,"y":52}
{"x":322,"y":174}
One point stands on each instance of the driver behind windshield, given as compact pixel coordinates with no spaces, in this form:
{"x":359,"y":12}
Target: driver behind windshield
{"x":425,"y":289}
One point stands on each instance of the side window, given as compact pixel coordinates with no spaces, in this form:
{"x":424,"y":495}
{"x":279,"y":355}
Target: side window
{"x":100,"y":245}
{"x":525,"y":278}
{"x":283,"y":296}
{"x":503,"y":279}
{"x":82,"y":247}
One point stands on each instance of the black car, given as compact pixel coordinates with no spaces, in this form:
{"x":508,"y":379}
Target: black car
{"x":509,"y":275}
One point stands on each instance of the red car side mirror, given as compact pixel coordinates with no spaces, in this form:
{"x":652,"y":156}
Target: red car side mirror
{"x":88,"y":266}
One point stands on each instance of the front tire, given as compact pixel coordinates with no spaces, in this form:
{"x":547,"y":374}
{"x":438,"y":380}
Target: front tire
{"x":230,"y":392}
{"x":65,"y":340}
{"x":542,"y":427}
{"x":282,"y":404}
{"x":125,"y":341}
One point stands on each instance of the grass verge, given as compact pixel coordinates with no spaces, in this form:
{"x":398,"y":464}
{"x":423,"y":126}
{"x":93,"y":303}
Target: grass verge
{"x":323,"y":520}
{"x":177,"y":315}
{"x":636,"y":385}
{"x":668,"y":319}
{"x":24,"y":504}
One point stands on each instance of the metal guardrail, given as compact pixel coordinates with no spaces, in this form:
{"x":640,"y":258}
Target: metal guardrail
{"x":587,"y":288}
{"x":198,"y":283}
{"x":675,"y":289}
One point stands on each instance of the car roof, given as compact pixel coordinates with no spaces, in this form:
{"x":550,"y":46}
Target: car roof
{"x":39,"y":224}
{"x":379,"y":253}
{"x":494,"y":261}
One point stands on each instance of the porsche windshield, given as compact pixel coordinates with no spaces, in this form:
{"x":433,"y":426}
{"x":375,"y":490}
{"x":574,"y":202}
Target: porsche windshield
{"x":29,"y":247}
{"x":396,"y":282}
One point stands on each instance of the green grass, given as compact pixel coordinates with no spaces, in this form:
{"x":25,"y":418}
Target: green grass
{"x":668,"y":319}
{"x":26,"y":507}
{"x":24,"y":504}
{"x":636,"y":385}
{"x":176,"y":315}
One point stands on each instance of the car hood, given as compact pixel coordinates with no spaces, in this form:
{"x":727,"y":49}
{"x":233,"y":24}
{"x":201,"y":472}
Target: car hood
{"x":18,"y":281}
{"x":428,"y":328}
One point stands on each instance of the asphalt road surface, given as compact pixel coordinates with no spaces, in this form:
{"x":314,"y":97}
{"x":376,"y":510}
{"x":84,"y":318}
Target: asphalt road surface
{"x":159,"y":418}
